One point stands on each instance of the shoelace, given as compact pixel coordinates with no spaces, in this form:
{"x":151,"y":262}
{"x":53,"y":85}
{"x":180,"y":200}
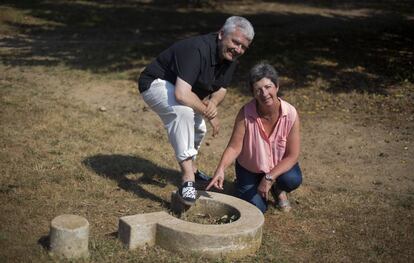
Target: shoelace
{"x":189,"y":192}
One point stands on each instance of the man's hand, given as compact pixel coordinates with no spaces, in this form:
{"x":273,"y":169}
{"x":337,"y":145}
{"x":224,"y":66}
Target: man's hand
{"x":217,"y":181}
{"x":216,"y":125}
{"x":211,"y":110}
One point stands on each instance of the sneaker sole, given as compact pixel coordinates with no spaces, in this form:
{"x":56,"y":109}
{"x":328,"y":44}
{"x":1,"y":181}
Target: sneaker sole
{"x":186,"y":202}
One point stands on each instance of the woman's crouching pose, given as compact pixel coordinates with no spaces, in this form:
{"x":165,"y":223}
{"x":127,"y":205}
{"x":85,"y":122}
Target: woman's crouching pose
{"x":265,"y":144}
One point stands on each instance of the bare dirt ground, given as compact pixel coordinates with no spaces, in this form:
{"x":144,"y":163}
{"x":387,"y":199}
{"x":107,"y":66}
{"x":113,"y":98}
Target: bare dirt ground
{"x":77,"y":138}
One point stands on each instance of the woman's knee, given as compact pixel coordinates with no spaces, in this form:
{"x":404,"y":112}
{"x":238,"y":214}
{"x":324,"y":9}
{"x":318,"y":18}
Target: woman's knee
{"x":290,"y":180}
{"x":254,"y":198}
{"x":246,"y":185}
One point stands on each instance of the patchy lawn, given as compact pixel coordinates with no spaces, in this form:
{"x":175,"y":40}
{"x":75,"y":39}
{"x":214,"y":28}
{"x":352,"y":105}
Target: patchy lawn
{"x":77,"y":138}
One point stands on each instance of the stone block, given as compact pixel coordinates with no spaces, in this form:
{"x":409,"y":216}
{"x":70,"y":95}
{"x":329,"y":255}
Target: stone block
{"x":69,"y":236}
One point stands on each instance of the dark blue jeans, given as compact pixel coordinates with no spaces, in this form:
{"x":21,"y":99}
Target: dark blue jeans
{"x":247,"y":183}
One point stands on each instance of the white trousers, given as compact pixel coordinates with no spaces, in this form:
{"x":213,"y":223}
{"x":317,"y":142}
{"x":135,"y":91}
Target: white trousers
{"x":186,"y":128}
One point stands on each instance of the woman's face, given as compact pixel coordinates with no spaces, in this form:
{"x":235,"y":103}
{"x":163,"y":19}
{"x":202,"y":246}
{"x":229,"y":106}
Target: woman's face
{"x":265,"y":92}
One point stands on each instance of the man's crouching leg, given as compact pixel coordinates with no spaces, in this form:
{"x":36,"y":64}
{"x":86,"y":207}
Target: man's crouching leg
{"x":187,"y":191}
{"x":181,"y":136}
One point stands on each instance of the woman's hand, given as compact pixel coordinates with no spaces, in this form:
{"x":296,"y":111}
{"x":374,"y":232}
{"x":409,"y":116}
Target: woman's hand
{"x":264,"y":188}
{"x":217,"y":180}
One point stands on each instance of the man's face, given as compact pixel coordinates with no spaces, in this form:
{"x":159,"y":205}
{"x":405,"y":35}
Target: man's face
{"x":232,"y":45}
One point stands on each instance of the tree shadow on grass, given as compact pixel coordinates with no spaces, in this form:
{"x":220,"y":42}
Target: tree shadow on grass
{"x":132,"y":171}
{"x":337,"y":51}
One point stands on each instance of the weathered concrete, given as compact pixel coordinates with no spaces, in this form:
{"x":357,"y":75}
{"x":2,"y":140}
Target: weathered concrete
{"x":236,"y":239}
{"x":69,"y":236}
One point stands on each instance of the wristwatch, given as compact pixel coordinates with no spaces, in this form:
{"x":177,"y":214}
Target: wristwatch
{"x":268,"y":177}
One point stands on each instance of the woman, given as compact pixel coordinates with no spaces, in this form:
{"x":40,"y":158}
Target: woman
{"x":265,"y":143}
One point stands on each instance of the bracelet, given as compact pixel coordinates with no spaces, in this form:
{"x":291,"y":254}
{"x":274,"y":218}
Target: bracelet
{"x":268,"y":177}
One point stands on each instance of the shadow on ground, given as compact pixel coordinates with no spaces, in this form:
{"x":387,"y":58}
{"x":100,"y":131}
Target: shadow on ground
{"x":118,"y":167}
{"x":44,"y":241}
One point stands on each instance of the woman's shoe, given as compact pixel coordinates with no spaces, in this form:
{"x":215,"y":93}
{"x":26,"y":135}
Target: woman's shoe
{"x":284,"y":205}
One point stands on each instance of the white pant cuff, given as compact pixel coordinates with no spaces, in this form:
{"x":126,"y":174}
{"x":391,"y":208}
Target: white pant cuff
{"x":187,"y":154}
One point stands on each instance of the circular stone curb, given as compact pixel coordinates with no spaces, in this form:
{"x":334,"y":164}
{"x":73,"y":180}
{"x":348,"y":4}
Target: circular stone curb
{"x":237,"y":239}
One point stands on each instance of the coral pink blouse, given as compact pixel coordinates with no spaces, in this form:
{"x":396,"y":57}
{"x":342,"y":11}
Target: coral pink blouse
{"x":260,"y":153}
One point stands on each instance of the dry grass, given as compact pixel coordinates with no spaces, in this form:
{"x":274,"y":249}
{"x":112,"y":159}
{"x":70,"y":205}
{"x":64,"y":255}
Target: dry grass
{"x":62,"y":61}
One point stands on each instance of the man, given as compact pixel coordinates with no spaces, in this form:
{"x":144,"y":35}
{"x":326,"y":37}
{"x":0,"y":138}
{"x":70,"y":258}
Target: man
{"x":186,"y":83}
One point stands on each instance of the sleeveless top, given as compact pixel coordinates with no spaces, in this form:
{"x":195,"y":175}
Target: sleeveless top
{"x":260,"y":153}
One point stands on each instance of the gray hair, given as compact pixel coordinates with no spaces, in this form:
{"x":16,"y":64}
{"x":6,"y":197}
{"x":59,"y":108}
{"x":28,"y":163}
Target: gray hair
{"x":242,"y":23}
{"x":263,"y":70}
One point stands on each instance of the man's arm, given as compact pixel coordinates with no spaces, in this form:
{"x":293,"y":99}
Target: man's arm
{"x":184,"y":95}
{"x":218,"y":96}
{"x":213,"y":101}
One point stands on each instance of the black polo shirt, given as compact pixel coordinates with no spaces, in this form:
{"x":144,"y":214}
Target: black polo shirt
{"x":196,"y":61}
